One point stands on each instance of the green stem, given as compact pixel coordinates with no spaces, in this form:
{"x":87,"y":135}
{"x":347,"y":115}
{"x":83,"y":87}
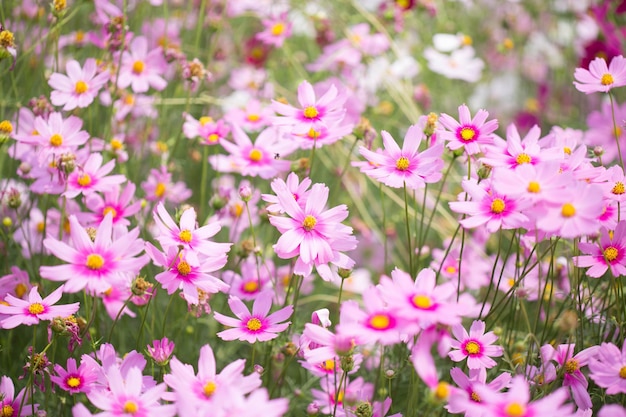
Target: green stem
{"x":408,"y":229}
{"x":615,"y":132}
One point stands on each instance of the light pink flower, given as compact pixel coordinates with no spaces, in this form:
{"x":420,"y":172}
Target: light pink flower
{"x":141,"y":69}
{"x":608,"y":368}
{"x":477,"y":346}
{"x":467,"y":133}
{"x":34,"y":309}
{"x":92,"y":177}
{"x":79,"y":87}
{"x":600,"y":77}
{"x":160,"y":187}
{"x":396,"y":167}
{"x":609,"y":252}
{"x":255,"y":326}
{"x":276,"y":30}
{"x":298,"y":189}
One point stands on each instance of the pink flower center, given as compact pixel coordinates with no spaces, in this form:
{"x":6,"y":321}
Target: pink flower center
{"x":467,"y":133}
{"x":251,"y":287}
{"x":472,"y":348}
{"x":254,"y":324}
{"x":402,"y":164}
{"x":253,"y":117}
{"x":36,"y":308}
{"x":422,"y":302}
{"x":109,"y":209}
{"x":607,"y":79}
{"x":310,"y":112}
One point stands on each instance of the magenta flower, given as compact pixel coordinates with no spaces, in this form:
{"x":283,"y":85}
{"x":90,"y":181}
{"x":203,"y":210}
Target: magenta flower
{"x":92,"y":177}
{"x":258,"y":158}
{"x":95,"y":265}
{"x":477,"y":346}
{"x":252,"y":118}
{"x":114,"y":201}
{"x":160,"y":187}
{"x":12,"y":405}
{"x":298,"y":189}
{"x":125,"y":397}
{"x":396,"y":167}
{"x":75,"y":379}
{"x":600,"y":77}
{"x":79,"y":87}
{"x":257,"y":325}
{"x":610,"y":252}
{"x":608,"y":368}
{"x":161,"y":351}
{"x":141,"y":69}
{"x":34,"y":309}
{"x":312,"y":233}
{"x":467,"y":133}
{"x":188,"y":235}
{"x":276,"y":30}
{"x":489,"y":208}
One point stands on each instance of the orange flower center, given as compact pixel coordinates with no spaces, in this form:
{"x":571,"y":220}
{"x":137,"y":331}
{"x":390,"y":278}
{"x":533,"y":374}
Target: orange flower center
{"x":255,"y":155}
{"x":138,"y":67}
{"x":84,"y":180}
{"x":497,"y":205}
{"x":56,"y":140}
{"x":607,"y":79}
{"x":81,"y":87}
{"x":611,"y":253}
{"x":310,"y":112}
{"x":94,"y":262}
{"x":254,"y":324}
{"x":185,"y":236}
{"x":568,"y":210}
{"x":309,"y":223}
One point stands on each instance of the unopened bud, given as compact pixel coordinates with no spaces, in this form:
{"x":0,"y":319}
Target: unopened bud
{"x":598,"y":151}
{"x":484,"y":171}
{"x":245,"y":192}
{"x":140,"y":286}
{"x":363,"y":409}
{"x":312,"y":409}
{"x":344,"y":273}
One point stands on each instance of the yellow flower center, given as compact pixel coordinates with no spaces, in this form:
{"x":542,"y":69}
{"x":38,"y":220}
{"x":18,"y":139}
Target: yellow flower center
{"x":251,"y":287}
{"x":183,"y":268}
{"x":618,"y":188}
{"x":159,"y":190}
{"x":328,"y":365}
{"x":607,"y":79}
{"x":255,"y":155}
{"x":571,"y":366}
{"x":253,"y":117}
{"x":56,"y":140}
{"x":475,"y":397}
{"x":468,"y":133}
{"x":610,"y":253}
{"x":314,"y":134}
{"x":6,"y":127}
{"x":79,"y":36}
{"x":7,"y":410}
{"x":568,"y":210}
{"x":138,"y":67}
{"x":402,"y":164}
{"x":422,"y":301}
{"x":450,"y":269}
{"x":278,"y":29}
{"x":442,"y":391}
{"x":622,"y":372}
{"x":185,"y":236}
{"x":310,"y":112}
{"x":254,"y":324}
{"x":515,"y":410}
{"x":472,"y":348}
{"x":81,"y":87}
{"x":129,"y":100}
{"x":209,"y":388}
{"x":130,"y":407}
{"x":497,"y":205}
{"x":6,"y":38}
{"x":567,"y":150}
{"x":205,"y":119}
{"x":20,"y":290}
{"x":73,"y":382}
{"x":213,"y":137}
{"x":84,"y":180}
{"x":309,"y":223}
{"x":533,"y":187}
{"x":35,"y":308}
{"x":94,"y":261}
{"x":237,"y":210}
{"x":116,"y":144}
{"x":380,"y":321}
{"x":109,"y":209}
{"x":523,"y":158}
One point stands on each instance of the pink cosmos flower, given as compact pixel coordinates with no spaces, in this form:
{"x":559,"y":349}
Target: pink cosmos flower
{"x":314,"y":114}
{"x":465,"y":399}
{"x":188,"y":235}
{"x":477,"y":346}
{"x":257,"y":325}
{"x":16,"y":283}
{"x":599,"y":77}
{"x":467,"y":133}
{"x":312,"y":233}
{"x":125,"y":395}
{"x":610,"y":252}
{"x":253,"y":280}
{"x":187,"y":273}
{"x":612,"y":410}
{"x":396,"y":167}
{"x":276,"y":30}
{"x":12,"y":405}
{"x":115,"y":201}
{"x":79,"y":87}
{"x":92,"y":177}
{"x":516,"y":402}
{"x":258,"y":158}
{"x":608,"y":368}
{"x":34,"y":309}
{"x":95,"y":264}
{"x":342,"y":399}
{"x":75,"y":379}
{"x":252,"y":118}
{"x":487,"y":207}
{"x":160,"y":187}
{"x":298,"y":189}
{"x":141,"y":69}
{"x":209,"y":131}
{"x":208,"y":392}
{"x":614,"y":189}
{"x":571,"y":364}
{"x":601,"y":131}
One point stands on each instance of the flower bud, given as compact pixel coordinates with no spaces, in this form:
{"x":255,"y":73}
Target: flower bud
{"x":245,"y":192}
{"x":312,"y":409}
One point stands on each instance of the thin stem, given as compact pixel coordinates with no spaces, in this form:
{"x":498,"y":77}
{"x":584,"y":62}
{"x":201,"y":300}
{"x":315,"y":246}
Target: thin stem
{"x":408,"y":229}
{"x":615,"y":132}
